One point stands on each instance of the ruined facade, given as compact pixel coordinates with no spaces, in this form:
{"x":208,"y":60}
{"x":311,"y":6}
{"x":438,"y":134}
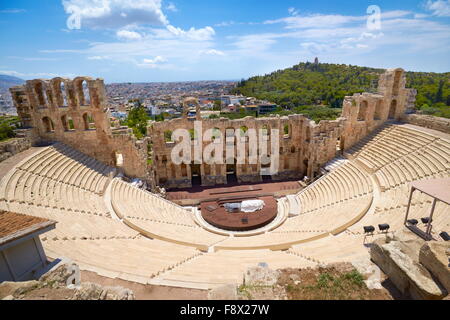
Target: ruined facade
{"x":304,"y":146}
{"x":367,"y":111}
{"x":75,"y":112}
{"x":296,"y":136}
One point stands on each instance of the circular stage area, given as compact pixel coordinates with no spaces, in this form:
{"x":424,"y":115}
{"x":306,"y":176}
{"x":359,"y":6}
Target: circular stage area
{"x":215,"y":214}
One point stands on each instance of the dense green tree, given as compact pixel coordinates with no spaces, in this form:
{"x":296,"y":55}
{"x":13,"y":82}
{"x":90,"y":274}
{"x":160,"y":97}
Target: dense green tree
{"x":7,"y":126}
{"x":137,"y":120}
{"x":308,"y":84}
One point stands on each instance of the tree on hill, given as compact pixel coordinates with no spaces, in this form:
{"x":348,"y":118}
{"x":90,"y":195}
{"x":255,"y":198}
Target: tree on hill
{"x":306,"y":84}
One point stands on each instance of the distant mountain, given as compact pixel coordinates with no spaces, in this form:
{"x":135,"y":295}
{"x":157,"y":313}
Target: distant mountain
{"x":9,"y":81}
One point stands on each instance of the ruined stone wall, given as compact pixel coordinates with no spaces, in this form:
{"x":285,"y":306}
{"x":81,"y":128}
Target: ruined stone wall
{"x":12,"y":147}
{"x":367,"y":111}
{"x":303,"y":147}
{"x":75,"y":112}
{"x":430,"y":122}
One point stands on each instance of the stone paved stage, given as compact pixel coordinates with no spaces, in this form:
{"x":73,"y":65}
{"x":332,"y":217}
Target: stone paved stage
{"x":197,"y":195}
{"x":215,"y":214}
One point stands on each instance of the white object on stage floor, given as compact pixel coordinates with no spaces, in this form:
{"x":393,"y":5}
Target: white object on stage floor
{"x":252,"y":206}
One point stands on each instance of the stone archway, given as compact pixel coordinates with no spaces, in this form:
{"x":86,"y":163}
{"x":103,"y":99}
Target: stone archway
{"x":393,"y":110}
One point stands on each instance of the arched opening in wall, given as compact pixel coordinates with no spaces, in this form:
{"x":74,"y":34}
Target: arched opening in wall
{"x":86,"y":93}
{"x":340,"y":146}
{"x":230,"y":137}
{"x":397,"y":78}
{"x":231,"y":171}
{"x":229,"y":132}
{"x":293,"y":149}
{"x":194,"y":135}
{"x":216,"y":135}
{"x":308,"y":134}
{"x":65,"y":124}
{"x":305,"y":166}
{"x":184,"y":172}
{"x":168,"y":136}
{"x":265,"y":131}
{"x":89,"y":123}
{"x":377,"y":114}
{"x":48,"y":125}
{"x":196,"y":174}
{"x":40,"y":94}
{"x":71,"y":123}
{"x":287,"y":131}
{"x":393,"y":110}
{"x":63,"y":93}
{"x":243,"y":131}
{"x":362,"y":111}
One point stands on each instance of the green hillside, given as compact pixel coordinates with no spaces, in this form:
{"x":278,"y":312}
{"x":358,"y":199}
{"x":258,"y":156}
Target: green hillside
{"x":325,"y":86}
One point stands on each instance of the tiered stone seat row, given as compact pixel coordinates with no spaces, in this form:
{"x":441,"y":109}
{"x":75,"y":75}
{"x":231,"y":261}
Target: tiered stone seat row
{"x":158,"y":218}
{"x":394,"y":144}
{"x":128,"y":259}
{"x":224,"y":267}
{"x":342,"y":248}
{"x":345,"y":183}
{"x":62,"y":163}
{"x":24,"y":187}
{"x":73,"y":225}
{"x":423,"y":164}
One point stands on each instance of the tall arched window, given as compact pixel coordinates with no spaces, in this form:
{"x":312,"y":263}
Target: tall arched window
{"x":64,"y":122}
{"x":168,"y":136}
{"x":67,"y":123}
{"x":48,"y":125}
{"x":63,"y":93}
{"x":287,"y":130}
{"x":393,"y":110}
{"x":265,"y":131}
{"x":377,"y":114}
{"x":89,"y":123}
{"x":362,"y":111}
{"x":40,"y":94}
{"x":86,"y":94}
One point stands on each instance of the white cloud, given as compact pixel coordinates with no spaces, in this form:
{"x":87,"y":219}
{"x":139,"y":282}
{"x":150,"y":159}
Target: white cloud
{"x":213,"y":52}
{"x":157,"y":62}
{"x":193,"y":34}
{"x":315,"y":21}
{"x":98,"y":58}
{"x":171,"y":7}
{"x":225,"y":24}
{"x":157,"y":59}
{"x":440,"y":8}
{"x":128,"y":35}
{"x":115,"y":13}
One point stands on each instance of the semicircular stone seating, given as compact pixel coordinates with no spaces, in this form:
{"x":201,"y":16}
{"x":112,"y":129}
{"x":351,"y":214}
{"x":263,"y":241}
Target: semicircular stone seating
{"x":156,"y":241}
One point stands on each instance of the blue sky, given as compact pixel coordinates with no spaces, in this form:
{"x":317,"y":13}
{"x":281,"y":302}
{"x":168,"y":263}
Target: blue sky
{"x":181,"y":40}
